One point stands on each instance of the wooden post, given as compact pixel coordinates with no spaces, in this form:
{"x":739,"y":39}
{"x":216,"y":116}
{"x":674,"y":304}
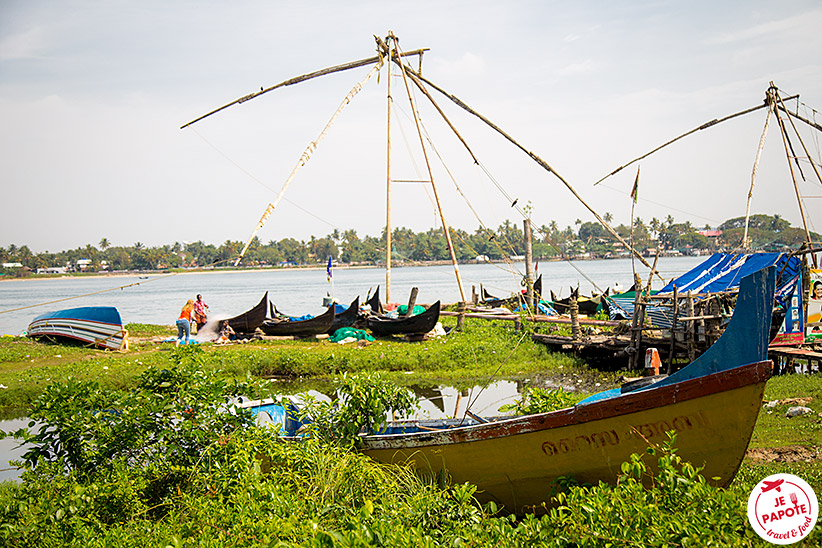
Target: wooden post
{"x":576,"y":332}
{"x":412,"y":300}
{"x":691,"y":329}
{"x":673,"y":335}
{"x":474,"y":295}
{"x":461,"y":316}
{"x":636,"y":324}
{"x":529,"y":267}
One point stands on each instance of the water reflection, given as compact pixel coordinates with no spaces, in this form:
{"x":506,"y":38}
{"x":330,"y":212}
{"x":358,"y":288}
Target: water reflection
{"x":10,"y":450}
{"x":435,"y":402}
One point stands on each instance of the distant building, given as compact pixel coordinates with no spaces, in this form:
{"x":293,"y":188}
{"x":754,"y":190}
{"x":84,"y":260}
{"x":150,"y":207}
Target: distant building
{"x":12,"y":265}
{"x":82,"y":264}
{"x":52,"y":270}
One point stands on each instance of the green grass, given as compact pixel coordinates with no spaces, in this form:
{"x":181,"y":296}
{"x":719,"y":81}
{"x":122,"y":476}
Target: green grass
{"x":485,"y":351}
{"x":774,"y":429}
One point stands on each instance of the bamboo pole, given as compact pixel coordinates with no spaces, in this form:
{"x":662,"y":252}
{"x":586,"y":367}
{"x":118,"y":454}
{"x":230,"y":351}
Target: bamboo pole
{"x":529,"y":268}
{"x":813,"y":166}
{"x":651,"y":275}
{"x":706,"y":125}
{"x":306,"y":155}
{"x":691,"y":329}
{"x":388,"y":243}
{"x":303,"y":78}
{"x":636,"y":324}
{"x":793,"y":177}
{"x":673,"y":335}
{"x":445,"y":230}
{"x":771,"y":105}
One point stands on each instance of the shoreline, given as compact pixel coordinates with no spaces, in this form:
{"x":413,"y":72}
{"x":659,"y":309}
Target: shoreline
{"x":147,"y":274}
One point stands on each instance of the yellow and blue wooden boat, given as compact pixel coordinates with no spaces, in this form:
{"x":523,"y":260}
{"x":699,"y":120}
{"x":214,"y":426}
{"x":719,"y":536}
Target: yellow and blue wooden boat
{"x":712,"y":404}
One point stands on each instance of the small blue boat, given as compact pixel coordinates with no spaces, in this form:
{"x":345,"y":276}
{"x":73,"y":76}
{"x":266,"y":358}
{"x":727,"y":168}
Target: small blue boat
{"x":96,"y":325}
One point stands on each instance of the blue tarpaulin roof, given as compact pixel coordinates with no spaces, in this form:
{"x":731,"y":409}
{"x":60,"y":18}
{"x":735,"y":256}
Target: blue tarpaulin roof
{"x":723,"y":271}
{"x":720,"y":272}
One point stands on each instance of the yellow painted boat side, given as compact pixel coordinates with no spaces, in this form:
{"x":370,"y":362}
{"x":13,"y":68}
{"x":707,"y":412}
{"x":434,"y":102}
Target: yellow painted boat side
{"x":516,"y":466}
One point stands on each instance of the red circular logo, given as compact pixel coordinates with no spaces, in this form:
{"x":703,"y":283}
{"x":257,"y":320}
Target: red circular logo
{"x":783,"y":509}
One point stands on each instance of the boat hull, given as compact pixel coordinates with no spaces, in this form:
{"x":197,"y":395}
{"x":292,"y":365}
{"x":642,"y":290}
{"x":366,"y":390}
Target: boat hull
{"x":515,"y":462}
{"x":412,"y":325}
{"x":96,"y":325}
{"x":249,"y":321}
{"x":303,"y":328}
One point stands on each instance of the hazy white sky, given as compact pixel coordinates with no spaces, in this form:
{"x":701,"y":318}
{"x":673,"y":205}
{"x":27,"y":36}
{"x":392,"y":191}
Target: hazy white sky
{"x":92,"y":95}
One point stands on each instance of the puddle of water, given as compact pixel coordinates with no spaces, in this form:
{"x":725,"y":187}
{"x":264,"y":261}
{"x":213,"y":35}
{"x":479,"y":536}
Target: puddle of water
{"x":10,"y":449}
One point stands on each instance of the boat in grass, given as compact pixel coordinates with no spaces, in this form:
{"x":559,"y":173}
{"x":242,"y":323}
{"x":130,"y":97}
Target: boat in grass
{"x":514,"y":301}
{"x":283,"y":326}
{"x":100,"y":326}
{"x":405,"y":325}
{"x":585,"y":305}
{"x":374,"y":302}
{"x":249,"y":321}
{"x":712,"y":404}
{"x":347,"y":317}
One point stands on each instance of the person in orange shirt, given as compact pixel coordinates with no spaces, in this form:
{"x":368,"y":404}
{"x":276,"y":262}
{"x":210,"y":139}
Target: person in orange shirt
{"x":184,"y":322}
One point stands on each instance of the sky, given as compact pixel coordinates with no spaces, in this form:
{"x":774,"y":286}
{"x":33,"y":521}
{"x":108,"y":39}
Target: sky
{"x":93,"y":94}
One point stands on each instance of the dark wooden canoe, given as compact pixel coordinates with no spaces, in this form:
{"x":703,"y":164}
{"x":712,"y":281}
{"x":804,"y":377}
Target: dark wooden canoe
{"x":374,"y":302}
{"x":585,"y":305}
{"x":514,"y":301}
{"x":414,"y":325}
{"x":347,"y":317}
{"x":301,"y":328}
{"x":247,"y":322}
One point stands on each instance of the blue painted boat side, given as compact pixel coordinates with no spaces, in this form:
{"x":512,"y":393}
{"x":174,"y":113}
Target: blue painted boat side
{"x":100,"y":314}
{"x":744,"y":341}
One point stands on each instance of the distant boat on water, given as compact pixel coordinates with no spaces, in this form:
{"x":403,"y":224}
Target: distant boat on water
{"x":96,"y":325}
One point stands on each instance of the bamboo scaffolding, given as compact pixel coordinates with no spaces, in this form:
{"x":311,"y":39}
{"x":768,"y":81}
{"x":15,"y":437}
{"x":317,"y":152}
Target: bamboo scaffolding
{"x":445,"y":230}
{"x":542,"y":163}
{"x":784,"y":132}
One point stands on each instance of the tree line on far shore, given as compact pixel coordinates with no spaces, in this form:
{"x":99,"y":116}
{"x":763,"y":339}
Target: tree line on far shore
{"x":585,"y":239}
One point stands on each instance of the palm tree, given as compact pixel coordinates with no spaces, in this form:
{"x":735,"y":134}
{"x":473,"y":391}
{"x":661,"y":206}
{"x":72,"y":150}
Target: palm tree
{"x":608,"y":217}
{"x":104,"y":244}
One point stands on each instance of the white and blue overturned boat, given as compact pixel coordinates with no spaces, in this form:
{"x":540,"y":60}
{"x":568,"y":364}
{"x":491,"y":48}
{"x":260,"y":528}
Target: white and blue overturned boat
{"x":97,"y":325}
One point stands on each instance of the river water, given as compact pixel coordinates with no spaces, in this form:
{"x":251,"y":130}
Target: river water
{"x":157,"y":299}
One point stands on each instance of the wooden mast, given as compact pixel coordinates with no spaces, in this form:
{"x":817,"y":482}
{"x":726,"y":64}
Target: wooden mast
{"x":430,"y":173}
{"x":388,"y":187}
